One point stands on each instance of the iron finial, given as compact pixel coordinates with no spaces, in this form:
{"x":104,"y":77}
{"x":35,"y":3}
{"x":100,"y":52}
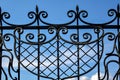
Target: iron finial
{"x":77,"y":8}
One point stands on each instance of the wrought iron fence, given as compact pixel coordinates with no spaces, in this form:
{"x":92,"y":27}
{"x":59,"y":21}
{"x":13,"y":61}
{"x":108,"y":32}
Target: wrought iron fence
{"x":59,"y":51}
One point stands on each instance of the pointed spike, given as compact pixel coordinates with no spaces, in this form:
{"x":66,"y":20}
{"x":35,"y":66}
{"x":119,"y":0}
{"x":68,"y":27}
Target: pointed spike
{"x":77,"y":8}
{"x":37,"y":9}
{"x":118,"y":7}
{"x":118,"y":11}
{"x":0,"y":10}
{"x":0,"y":13}
{"x":36,"y":6}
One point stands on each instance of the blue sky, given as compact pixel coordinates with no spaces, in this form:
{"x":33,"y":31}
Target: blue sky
{"x":57,"y":10}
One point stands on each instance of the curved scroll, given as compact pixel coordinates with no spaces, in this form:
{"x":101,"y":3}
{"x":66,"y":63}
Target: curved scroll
{"x":87,"y":37}
{"x":112,"y":57}
{"x":75,"y":14}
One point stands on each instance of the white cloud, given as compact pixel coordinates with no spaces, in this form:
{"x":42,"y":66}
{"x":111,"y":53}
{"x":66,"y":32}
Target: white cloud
{"x":71,"y":79}
{"x":47,"y":63}
{"x":81,"y":78}
{"x":5,"y":62}
{"x":95,"y":77}
{"x":84,"y":78}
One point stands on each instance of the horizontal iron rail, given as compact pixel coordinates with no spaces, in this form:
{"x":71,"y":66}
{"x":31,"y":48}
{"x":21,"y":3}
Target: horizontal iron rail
{"x":68,"y":27}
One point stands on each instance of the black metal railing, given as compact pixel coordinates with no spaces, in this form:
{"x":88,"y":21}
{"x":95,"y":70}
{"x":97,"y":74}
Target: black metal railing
{"x":60,"y":51}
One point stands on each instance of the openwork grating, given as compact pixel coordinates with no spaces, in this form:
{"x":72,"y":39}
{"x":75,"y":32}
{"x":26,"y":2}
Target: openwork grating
{"x":58,"y":51}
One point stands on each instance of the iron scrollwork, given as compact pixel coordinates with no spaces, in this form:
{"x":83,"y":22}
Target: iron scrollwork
{"x":54,"y":46}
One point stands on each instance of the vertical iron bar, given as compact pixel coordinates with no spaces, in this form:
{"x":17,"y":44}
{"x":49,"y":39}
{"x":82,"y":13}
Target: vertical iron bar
{"x":78,"y":62}
{"x":37,"y":16}
{"x":0,"y":62}
{"x":19,"y":56}
{"x":98,"y":54}
{"x":38,"y":57}
{"x":1,"y":31}
{"x":118,"y":16}
{"x":58,"y":64}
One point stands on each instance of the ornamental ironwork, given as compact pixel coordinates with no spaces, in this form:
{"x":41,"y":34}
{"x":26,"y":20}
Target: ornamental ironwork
{"x":59,"y":51}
